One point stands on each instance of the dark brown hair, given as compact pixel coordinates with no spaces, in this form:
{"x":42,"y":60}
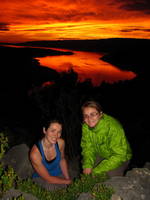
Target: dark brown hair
{"x":92,"y":104}
{"x":49,"y":122}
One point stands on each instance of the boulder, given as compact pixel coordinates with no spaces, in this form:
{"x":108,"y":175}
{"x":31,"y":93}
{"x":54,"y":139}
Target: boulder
{"x":74,"y":167}
{"x":18,"y":158}
{"x":13,"y":193}
{"x":134,"y":186}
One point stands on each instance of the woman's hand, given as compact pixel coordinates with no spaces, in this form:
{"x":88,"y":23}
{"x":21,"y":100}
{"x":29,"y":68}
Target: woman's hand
{"x":87,"y":171}
{"x":68,"y":181}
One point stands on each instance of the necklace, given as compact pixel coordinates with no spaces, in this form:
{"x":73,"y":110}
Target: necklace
{"x":49,"y":150}
{"x":46,"y":145}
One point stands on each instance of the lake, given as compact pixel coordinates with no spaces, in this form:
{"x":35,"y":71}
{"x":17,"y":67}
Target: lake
{"x":88,"y":65}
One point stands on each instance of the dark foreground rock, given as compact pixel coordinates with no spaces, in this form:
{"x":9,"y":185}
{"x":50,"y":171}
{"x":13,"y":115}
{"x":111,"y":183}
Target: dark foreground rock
{"x":134,"y":186}
{"x":13,"y":193}
{"x":18,"y":158}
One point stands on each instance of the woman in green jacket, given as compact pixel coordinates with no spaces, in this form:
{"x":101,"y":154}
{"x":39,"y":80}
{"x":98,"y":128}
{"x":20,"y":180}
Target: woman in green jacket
{"x":105,"y":148}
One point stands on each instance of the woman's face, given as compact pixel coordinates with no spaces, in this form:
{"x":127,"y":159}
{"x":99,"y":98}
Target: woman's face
{"x":53,"y":132}
{"x":91,"y":116}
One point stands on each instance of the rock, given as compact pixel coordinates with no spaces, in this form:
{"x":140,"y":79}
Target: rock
{"x":147,"y":165}
{"x":18,"y":158}
{"x":134,"y":186}
{"x":86,"y":196}
{"x":115,"y":197}
{"x":74,"y":167}
{"x":13,"y":193}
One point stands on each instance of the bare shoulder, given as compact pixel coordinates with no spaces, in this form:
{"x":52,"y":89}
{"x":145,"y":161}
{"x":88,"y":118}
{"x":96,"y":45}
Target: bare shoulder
{"x":61,"y":143}
{"x":34,"y":153}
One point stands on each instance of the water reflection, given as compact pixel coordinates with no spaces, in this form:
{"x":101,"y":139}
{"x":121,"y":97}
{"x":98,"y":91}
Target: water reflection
{"x":87,"y":65}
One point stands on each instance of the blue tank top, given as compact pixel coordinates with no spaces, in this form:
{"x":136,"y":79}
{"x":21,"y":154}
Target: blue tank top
{"x":52,"y":166}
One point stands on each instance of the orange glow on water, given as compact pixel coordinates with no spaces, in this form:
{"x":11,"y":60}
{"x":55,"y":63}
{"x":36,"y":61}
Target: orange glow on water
{"x":87,"y":65}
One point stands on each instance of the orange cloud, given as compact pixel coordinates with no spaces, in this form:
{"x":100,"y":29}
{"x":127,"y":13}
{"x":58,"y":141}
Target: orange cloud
{"x":78,"y":19}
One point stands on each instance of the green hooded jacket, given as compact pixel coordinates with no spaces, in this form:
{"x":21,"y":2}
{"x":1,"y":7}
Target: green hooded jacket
{"x":107,"y":140}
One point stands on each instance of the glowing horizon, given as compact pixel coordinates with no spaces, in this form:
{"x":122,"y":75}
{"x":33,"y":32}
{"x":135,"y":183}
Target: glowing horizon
{"x":22,"y":21}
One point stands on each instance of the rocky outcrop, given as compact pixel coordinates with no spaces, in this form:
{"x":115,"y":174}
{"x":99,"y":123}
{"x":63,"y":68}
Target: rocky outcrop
{"x":13,"y":193}
{"x":18,"y":158}
{"x":135,"y":185}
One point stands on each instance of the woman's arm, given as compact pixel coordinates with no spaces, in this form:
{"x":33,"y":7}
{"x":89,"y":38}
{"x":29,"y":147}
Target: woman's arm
{"x":119,"y":150}
{"x":37,"y":164}
{"x":63,"y":162}
{"x":88,"y":152}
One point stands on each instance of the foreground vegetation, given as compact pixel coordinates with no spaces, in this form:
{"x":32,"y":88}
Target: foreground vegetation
{"x":84,"y":184}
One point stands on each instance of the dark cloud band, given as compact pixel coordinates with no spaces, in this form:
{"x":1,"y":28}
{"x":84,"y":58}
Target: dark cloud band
{"x":136,"y":5}
{"x":4,"y":26}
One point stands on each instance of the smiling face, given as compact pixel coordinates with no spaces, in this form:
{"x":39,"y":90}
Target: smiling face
{"x":53,"y":132}
{"x":91,"y":116}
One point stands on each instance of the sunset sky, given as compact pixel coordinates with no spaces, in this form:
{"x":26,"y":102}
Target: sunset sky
{"x":30,"y":20}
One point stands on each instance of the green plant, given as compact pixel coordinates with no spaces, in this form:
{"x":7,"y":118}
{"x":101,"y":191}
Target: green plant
{"x":7,"y":174}
{"x":102,"y":192}
{"x":8,"y":178}
{"x":29,"y":186}
{"x":21,"y":197}
{"x":85,"y":184}
{"x":3,"y":144}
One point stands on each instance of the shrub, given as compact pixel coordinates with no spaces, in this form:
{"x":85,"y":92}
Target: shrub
{"x":7,"y":174}
{"x":85,"y":184}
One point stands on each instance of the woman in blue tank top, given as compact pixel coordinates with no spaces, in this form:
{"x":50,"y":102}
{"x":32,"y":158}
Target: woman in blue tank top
{"x":48,"y":158}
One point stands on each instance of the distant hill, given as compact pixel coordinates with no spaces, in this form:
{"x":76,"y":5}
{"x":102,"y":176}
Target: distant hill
{"x":102,"y":45}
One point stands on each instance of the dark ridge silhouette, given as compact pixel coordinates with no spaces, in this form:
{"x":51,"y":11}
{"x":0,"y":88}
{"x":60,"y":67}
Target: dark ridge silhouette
{"x":102,"y":45}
